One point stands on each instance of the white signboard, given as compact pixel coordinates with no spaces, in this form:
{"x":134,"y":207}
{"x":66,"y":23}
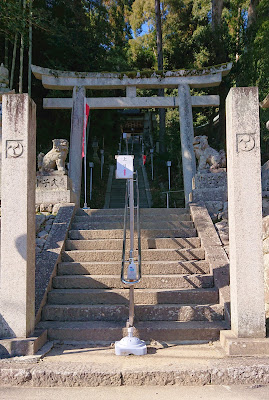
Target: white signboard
{"x":124,"y":135}
{"x":125,"y":167}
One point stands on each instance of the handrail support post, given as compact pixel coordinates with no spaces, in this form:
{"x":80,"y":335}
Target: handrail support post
{"x":131,"y":205}
{"x":130,"y":322}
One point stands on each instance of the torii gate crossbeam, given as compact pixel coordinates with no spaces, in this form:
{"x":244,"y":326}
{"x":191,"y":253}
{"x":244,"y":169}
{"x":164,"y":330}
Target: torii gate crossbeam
{"x":103,"y":103}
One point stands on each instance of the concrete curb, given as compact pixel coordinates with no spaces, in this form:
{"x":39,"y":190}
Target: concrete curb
{"x":247,"y":371}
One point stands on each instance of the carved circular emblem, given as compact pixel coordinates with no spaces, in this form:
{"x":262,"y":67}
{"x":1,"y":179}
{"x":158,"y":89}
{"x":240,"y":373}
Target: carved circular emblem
{"x":246,"y":142}
{"x":14,"y":149}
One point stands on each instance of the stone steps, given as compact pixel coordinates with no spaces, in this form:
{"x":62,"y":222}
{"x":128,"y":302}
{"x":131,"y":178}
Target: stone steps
{"x":142,"y":296}
{"x":96,"y":331}
{"x":123,"y":188}
{"x":175,"y":300}
{"x":116,"y":244}
{"x":148,"y":267}
{"x":147,"y":282}
{"x":144,"y":212}
{"x":112,"y":218}
{"x":103,"y":225}
{"x":147,"y":255}
{"x":120,"y":312}
{"x":88,"y":234}
{"x":117,"y":205}
{"x":120,"y":198}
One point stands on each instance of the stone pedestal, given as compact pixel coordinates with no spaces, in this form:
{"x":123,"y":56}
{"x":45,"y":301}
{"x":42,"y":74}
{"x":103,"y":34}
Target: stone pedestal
{"x":245,"y":225}
{"x":186,"y":137}
{"x":211,"y":188}
{"x":17,"y":293}
{"x":54,"y":188}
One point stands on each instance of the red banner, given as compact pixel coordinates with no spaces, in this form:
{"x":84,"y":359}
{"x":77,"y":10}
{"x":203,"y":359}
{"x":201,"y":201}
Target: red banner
{"x":86,"y":116}
{"x":144,"y":159}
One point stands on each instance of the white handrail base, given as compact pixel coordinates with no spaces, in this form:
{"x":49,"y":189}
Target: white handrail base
{"x":130,"y":345}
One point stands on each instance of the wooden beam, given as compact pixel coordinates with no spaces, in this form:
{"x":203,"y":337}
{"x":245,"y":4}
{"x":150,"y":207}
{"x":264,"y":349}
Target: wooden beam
{"x":134,"y":102}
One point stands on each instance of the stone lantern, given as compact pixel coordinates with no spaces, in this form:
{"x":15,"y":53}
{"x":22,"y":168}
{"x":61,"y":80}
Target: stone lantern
{"x":95,"y":147}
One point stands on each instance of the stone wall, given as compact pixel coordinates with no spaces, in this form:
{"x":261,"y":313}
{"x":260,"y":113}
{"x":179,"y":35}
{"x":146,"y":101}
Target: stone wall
{"x":211,"y":188}
{"x":47,"y":259}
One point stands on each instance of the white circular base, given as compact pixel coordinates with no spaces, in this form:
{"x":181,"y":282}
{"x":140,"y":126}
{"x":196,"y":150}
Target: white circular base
{"x":130,"y":345}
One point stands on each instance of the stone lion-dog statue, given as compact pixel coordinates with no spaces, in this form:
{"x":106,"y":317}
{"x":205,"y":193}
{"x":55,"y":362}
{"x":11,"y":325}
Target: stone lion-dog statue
{"x":207,"y":156}
{"x":54,"y":158}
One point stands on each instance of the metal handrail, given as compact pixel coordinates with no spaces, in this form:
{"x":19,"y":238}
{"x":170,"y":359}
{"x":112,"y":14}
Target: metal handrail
{"x":131,"y":283}
{"x":127,"y":195}
{"x":138,"y":228}
{"x":124,"y":231}
{"x":167,"y":195}
{"x":173,"y":191}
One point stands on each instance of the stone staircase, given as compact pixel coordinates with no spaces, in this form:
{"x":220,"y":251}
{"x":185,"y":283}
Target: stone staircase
{"x":175,"y":301}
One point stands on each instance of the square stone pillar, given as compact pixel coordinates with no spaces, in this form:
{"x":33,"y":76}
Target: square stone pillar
{"x":186,"y":137}
{"x":76,"y":137}
{"x":17,"y":284}
{"x":245,"y":225}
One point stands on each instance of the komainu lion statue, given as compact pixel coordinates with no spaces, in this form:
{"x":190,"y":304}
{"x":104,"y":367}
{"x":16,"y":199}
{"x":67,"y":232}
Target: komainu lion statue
{"x":206,"y":156}
{"x":54,"y":158}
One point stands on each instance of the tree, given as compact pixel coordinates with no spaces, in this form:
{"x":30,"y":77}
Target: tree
{"x":120,"y":33}
{"x":22,"y":45}
{"x":217,"y":7}
{"x":252,"y":12}
{"x":149,"y":12}
{"x":159,"y":41}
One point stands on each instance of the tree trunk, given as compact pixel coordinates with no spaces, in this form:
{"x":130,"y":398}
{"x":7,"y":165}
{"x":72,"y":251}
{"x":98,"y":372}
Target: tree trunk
{"x":160,"y":68}
{"x":30,"y":49}
{"x":13,"y":61}
{"x":221,"y":132}
{"x":6,"y":52}
{"x":252,"y":12}
{"x":238,"y":34}
{"x":159,"y":34}
{"x":217,"y":7}
{"x":22,"y":48}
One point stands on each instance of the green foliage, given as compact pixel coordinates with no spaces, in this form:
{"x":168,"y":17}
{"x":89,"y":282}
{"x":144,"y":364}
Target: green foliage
{"x":108,"y":35}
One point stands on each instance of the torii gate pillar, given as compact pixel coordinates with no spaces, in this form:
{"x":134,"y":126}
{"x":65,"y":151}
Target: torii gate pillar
{"x":186,"y":137}
{"x":76,"y":136}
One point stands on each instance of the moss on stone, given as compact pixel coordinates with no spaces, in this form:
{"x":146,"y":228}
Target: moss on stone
{"x":146,"y":73}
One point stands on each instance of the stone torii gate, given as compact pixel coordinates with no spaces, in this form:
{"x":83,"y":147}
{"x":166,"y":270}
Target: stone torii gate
{"x":181,"y":79}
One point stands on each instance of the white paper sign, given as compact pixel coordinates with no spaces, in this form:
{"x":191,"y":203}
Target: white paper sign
{"x":125,"y":167}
